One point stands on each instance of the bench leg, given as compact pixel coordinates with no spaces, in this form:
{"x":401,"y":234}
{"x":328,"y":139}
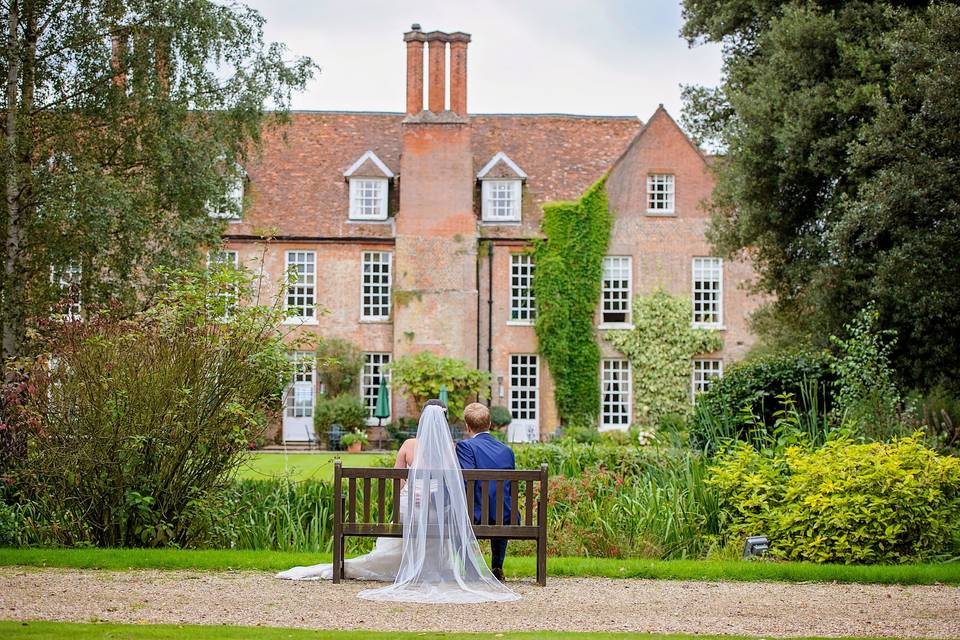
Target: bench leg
{"x":541,"y":562}
{"x":337,"y":559}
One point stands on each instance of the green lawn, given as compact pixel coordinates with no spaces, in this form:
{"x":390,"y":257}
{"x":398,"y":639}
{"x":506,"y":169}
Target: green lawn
{"x":516,"y":566}
{"x":301,"y":466}
{"x":102,"y":631}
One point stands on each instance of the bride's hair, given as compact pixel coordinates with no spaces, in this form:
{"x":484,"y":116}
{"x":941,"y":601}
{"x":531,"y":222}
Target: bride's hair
{"x":435,"y":403}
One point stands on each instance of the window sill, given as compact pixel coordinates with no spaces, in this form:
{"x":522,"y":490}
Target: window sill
{"x":520,"y":323}
{"x":661,"y":214}
{"x":612,"y":427}
{"x":715,"y":327}
{"x":501,"y":223}
{"x":604,"y":326}
{"x":300,"y":321}
{"x":368,"y":220}
{"x":376,"y":320}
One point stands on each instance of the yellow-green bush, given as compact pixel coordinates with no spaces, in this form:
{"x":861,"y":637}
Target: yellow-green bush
{"x":845,"y":502}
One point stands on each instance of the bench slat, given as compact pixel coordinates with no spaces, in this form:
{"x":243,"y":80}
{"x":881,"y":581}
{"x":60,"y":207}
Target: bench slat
{"x":381,"y":499}
{"x":352,"y":510}
{"x":485,"y":503}
{"x":501,"y":488}
{"x":514,"y":503}
{"x":372,"y":529}
{"x":471,"y":497}
{"x":500,"y":474}
{"x":528,"y":512}
{"x":366,"y":499}
{"x":396,"y":501}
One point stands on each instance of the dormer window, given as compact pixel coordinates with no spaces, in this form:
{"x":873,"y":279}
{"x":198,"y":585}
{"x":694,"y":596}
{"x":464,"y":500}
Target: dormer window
{"x":368,"y":199}
{"x":501,"y":201}
{"x":369,"y":180}
{"x":501,"y":190}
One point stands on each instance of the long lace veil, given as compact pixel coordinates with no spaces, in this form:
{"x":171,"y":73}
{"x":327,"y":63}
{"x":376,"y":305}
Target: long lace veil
{"x":441,"y":561}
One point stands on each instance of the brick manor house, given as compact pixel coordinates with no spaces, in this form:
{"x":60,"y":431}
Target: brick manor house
{"x":409,"y":230}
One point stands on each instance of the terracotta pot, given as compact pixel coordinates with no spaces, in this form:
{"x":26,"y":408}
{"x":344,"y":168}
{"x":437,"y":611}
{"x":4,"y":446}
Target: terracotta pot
{"x":354,"y":447}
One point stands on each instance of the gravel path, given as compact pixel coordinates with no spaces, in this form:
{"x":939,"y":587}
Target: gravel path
{"x":570,"y":604}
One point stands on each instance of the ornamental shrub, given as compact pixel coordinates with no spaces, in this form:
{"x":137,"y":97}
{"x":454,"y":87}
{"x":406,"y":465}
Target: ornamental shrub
{"x":659,"y":348}
{"x":346,"y":410}
{"x":421,"y":375}
{"x":844,"y":502}
{"x":742,"y":404}
{"x":137,"y":425}
{"x":339,"y":363}
{"x":500,"y":416}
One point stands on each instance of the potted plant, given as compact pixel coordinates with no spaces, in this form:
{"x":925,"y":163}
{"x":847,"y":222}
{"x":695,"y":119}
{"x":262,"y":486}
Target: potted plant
{"x":353,"y":441}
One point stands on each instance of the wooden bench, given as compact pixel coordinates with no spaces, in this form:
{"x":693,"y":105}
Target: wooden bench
{"x":349,"y":521}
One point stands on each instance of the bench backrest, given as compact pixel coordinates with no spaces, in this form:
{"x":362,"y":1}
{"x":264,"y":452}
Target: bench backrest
{"x":370,"y":517}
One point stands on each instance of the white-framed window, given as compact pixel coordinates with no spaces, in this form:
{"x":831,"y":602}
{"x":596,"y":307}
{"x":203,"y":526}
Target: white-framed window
{"x":704,"y":373}
{"x":227,"y":258}
{"x":708,"y":292}
{"x":523,"y":308}
{"x":615,"y":385}
{"x":660,"y":192}
{"x":301,"y":270}
{"x":230,"y":205}
{"x":368,"y":198}
{"x":524,"y":384}
{"x":302,"y":390}
{"x":615,"y":298}
{"x":375,"y":285}
{"x":373,"y":365}
{"x":501,"y":200}
{"x":67,"y":280}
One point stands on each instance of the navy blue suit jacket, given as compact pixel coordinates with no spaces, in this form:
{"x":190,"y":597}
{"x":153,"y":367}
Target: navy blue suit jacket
{"x":483,"y":451}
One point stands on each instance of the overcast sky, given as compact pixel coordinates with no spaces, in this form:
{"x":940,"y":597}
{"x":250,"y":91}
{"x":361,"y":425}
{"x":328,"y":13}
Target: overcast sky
{"x":601,"y":57}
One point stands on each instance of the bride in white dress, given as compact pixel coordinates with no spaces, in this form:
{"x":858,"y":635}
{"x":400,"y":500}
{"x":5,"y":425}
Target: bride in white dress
{"x":438,"y":560}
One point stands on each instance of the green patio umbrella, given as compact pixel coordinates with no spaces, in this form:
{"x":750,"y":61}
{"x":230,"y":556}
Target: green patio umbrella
{"x":382,"y":409}
{"x":443,"y":394}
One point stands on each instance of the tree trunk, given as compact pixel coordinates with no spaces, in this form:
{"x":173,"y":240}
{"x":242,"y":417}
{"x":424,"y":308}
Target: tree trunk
{"x":12,"y":289}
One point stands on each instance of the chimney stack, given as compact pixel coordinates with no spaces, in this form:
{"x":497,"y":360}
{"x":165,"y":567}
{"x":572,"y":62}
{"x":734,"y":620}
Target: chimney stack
{"x":414,"y":39}
{"x":458,"y":72}
{"x":437,"y":68}
{"x":436,"y":42}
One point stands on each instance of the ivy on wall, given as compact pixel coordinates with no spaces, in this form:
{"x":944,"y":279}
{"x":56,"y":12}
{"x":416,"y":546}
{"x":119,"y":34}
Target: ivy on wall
{"x":566,"y":286}
{"x":659,"y":348}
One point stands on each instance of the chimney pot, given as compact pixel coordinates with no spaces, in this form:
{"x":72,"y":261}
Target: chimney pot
{"x":437,"y":66}
{"x":415,"y":26}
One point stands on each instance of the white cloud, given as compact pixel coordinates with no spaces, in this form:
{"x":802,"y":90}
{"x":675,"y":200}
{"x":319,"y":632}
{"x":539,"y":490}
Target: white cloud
{"x":607,"y":57}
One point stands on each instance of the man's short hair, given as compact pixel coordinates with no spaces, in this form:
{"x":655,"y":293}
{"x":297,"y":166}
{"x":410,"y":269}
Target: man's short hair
{"x":477,"y":417}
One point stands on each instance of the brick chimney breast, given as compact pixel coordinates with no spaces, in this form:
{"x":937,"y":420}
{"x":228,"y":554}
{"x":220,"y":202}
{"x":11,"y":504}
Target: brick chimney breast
{"x":437,"y":67}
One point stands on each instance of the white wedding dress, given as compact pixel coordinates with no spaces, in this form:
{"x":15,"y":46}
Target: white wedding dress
{"x":380,"y":564}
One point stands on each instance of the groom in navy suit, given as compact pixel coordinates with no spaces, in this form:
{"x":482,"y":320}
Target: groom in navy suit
{"x":481,"y":450}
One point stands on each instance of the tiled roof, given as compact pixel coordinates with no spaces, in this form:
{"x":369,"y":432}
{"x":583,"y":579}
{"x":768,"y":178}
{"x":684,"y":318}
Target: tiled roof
{"x":298,"y":186}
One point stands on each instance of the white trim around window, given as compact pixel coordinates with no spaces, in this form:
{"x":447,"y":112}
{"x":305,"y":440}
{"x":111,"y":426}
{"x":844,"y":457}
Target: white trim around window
{"x":661,"y":194}
{"x":523,"y":306}
{"x":616,"y":387}
{"x":375,"y":286}
{"x":707,"y":292}
{"x":368,"y":199}
{"x":301,"y":289}
{"x":501,"y":201}
{"x":704,"y":372}
{"x":373,"y":365}
{"x":616,"y":292}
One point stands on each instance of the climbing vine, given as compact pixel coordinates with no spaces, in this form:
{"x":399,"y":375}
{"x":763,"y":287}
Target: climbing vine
{"x":566,"y":285}
{"x":659,"y":348}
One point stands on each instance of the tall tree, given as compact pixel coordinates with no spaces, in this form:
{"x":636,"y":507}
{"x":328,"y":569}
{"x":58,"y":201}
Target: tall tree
{"x":124,"y":123}
{"x":838,"y":122}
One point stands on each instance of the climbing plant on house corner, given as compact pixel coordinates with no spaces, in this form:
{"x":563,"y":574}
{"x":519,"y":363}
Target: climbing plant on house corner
{"x":566,"y":286}
{"x":659,"y":348}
